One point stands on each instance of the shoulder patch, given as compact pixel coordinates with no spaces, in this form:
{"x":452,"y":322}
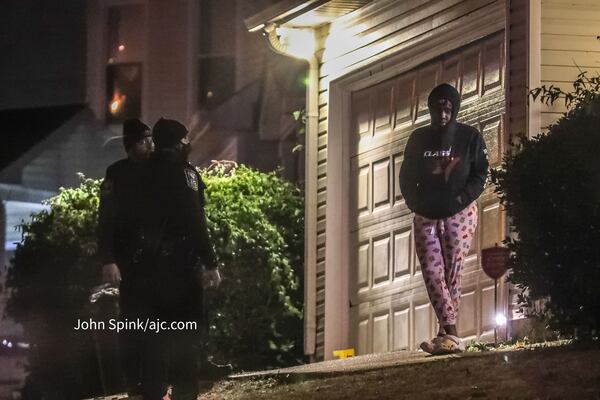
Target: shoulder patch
{"x":191,"y":179}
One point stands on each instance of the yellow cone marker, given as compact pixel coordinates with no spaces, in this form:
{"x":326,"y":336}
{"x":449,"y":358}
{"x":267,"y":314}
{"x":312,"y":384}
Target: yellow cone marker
{"x":345,"y":353}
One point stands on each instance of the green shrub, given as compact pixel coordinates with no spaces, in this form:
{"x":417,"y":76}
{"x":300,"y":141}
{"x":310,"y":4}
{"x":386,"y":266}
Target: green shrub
{"x":53,"y":269}
{"x":550,"y":187}
{"x":256,"y":224}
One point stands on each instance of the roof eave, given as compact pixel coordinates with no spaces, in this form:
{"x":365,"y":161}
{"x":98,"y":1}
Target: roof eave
{"x":281,"y":12}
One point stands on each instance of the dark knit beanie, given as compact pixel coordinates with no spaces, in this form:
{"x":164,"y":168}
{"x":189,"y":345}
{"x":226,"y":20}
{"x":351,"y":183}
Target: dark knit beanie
{"x":447,"y":92}
{"x":134,"y":130}
{"x":168,"y":132}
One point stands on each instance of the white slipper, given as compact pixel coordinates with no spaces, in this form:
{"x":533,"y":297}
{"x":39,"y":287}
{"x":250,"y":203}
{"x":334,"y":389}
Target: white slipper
{"x":448,"y":344}
{"x":429,"y":345}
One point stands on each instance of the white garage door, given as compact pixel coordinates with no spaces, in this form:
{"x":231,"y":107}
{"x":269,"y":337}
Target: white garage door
{"x":389,"y":305}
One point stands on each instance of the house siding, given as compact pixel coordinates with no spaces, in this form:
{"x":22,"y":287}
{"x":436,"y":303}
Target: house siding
{"x":569,"y":45}
{"x":518,"y":50}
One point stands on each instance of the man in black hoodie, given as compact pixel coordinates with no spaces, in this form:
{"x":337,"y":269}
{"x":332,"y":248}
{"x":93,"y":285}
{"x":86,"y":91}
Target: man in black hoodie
{"x":444,"y":171}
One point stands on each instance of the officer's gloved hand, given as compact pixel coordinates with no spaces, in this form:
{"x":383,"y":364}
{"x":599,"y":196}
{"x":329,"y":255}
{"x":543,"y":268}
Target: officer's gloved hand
{"x":211,"y":278}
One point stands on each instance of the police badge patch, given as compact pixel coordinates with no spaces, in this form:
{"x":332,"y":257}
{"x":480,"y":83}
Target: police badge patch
{"x":192,"y":179}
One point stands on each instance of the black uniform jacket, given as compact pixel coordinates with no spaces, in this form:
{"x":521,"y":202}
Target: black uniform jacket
{"x":117,"y":220}
{"x":173,"y":221}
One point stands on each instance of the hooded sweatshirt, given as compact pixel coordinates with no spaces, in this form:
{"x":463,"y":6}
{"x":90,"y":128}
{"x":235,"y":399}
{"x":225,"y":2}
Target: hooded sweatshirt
{"x":444,"y":168}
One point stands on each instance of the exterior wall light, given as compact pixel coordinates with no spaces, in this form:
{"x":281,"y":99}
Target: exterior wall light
{"x":298,"y":43}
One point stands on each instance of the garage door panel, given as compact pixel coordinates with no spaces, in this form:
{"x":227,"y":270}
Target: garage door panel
{"x":488,"y":318}
{"x":383,"y":217}
{"x":490,"y":225}
{"x":381,"y":335}
{"x":416,"y":263}
{"x":363,"y":266}
{"x":484,"y":108}
{"x":492,"y":65}
{"x":361,"y":189}
{"x":423,"y":323}
{"x":467,"y":316}
{"x":471,"y":264}
{"x":384,"y":107}
{"x":381,"y":260}
{"x":363,"y":337}
{"x":382,"y":263}
{"x":470,"y":76}
{"x":402,"y":252}
{"x":383,"y":227}
{"x":405,"y":89}
{"x":450,"y":72}
{"x":375,"y":194}
{"x":388,"y":292}
{"x":475,"y":245}
{"x":427,"y":80}
{"x":401,"y":338}
{"x":381,"y":184}
{"x":491,"y":129}
{"x":361,"y":102}
{"x":397,"y":163}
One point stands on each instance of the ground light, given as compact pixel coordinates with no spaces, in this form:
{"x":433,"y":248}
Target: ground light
{"x":500,"y":320}
{"x":500,"y":323}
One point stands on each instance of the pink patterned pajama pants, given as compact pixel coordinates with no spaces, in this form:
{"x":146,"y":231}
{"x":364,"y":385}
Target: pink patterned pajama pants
{"x":442,"y":246}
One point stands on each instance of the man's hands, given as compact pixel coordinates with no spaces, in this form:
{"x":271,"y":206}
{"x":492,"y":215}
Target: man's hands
{"x":111,"y":274}
{"x":211,"y":278}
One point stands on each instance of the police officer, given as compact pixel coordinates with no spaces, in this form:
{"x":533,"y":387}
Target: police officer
{"x":175,"y":247}
{"x":118,"y":195}
{"x":118,"y":234}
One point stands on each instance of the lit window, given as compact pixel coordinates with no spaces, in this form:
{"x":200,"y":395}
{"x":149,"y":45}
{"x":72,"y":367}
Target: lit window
{"x":123,"y":91}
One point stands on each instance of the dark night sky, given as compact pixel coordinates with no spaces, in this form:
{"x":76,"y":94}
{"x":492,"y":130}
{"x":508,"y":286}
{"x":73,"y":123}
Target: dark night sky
{"x":42,"y":70}
{"x":42,"y":53}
